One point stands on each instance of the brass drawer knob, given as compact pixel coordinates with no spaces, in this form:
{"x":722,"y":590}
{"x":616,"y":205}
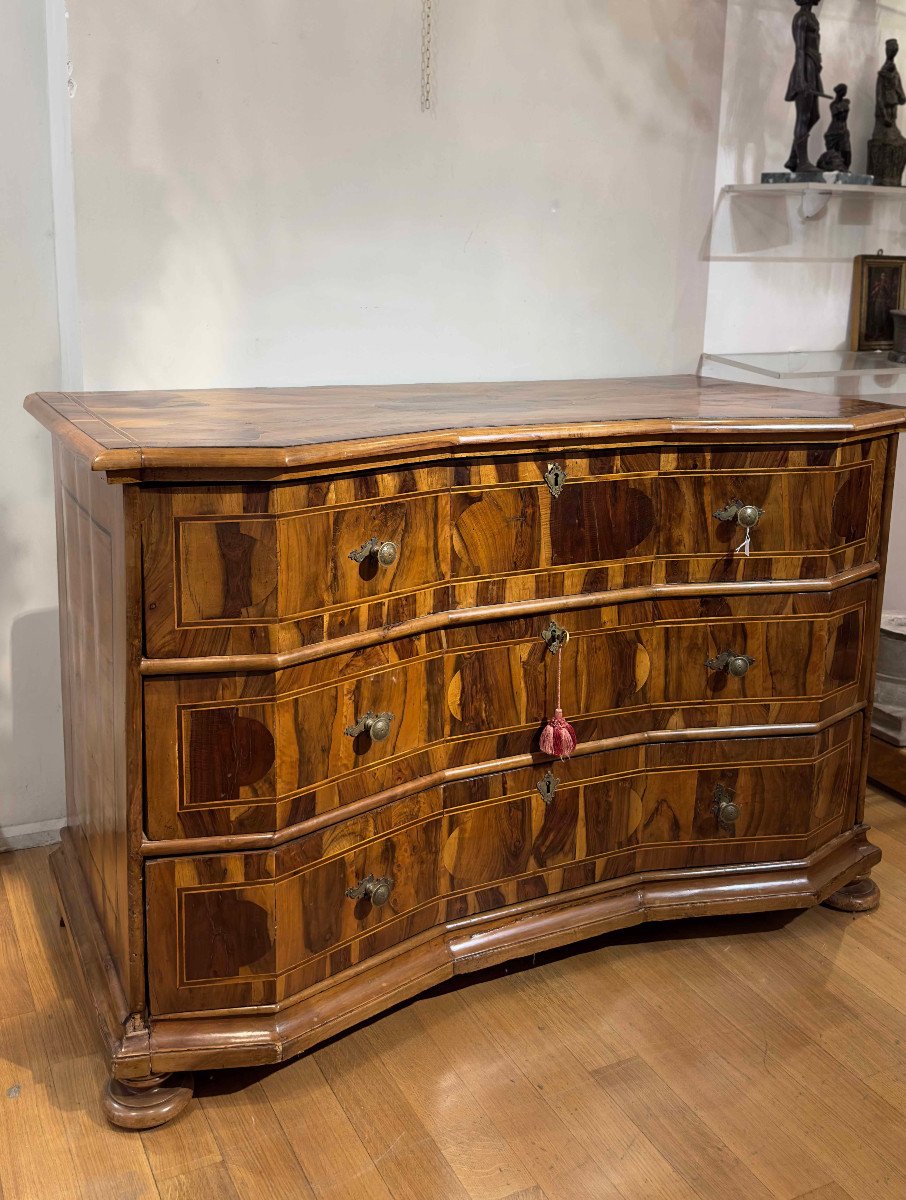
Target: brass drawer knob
{"x":376,"y":890}
{"x":384,"y":552}
{"x":746,"y":515}
{"x":725,"y":807}
{"x":731,"y":662}
{"x":374,"y":725}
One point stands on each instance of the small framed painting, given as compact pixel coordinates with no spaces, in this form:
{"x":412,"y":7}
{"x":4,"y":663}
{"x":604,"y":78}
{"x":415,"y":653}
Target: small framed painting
{"x":879,"y":286}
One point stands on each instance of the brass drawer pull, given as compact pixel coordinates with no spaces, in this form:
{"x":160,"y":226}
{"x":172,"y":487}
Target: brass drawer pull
{"x":376,"y":890}
{"x":555,"y":478}
{"x":374,"y":725}
{"x":725,"y":807}
{"x":746,"y":515}
{"x":547,"y":786}
{"x":384,"y":552}
{"x":731,"y":662}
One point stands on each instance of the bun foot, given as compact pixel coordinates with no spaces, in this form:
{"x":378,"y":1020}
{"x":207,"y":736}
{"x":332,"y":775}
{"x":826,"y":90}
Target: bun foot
{"x":862,"y":895}
{"x":145,"y":1103}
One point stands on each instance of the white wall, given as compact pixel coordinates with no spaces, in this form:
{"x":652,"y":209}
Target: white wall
{"x":31,"y":775}
{"x":260,"y":199}
{"x":778,"y":282}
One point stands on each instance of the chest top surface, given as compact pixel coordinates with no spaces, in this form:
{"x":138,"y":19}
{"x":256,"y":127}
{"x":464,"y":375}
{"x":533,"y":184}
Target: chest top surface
{"x":321,"y":427}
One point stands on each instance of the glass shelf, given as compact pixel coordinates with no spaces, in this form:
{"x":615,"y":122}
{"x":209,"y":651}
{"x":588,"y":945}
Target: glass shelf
{"x":821,"y":189}
{"x":811,"y":364}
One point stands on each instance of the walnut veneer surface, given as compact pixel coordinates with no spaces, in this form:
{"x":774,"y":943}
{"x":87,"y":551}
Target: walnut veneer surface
{"x":305,"y":672}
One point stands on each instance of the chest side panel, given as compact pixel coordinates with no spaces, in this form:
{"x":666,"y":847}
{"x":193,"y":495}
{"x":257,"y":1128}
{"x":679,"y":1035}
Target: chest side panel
{"x":100,"y":647}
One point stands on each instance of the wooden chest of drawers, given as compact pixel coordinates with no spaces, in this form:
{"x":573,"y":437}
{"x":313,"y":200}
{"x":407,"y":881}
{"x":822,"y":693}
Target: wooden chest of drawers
{"x":305,"y":673}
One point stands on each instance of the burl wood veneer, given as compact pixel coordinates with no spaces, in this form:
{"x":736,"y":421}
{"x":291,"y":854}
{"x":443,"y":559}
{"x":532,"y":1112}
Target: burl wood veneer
{"x":305,"y":672}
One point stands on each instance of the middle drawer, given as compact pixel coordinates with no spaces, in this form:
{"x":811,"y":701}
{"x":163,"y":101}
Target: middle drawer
{"x":257,"y":752}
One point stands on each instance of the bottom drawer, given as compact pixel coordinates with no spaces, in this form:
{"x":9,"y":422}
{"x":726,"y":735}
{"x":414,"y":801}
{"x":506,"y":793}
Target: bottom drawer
{"x":244,"y":929}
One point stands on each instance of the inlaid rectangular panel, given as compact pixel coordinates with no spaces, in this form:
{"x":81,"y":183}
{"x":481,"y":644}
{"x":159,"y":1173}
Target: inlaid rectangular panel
{"x":265,"y":568}
{"x":233,"y":930}
{"x":259,"y":752}
{"x":257,"y":568}
{"x":245,"y":570}
{"x":301,"y":738}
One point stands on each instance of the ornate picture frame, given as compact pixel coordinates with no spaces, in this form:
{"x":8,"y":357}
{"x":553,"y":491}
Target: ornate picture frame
{"x":879,"y":286}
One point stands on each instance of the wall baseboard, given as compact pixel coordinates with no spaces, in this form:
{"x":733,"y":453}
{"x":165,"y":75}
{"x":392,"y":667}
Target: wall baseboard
{"x":38,"y":833}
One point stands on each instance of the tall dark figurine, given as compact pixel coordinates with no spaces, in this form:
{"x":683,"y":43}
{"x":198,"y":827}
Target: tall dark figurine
{"x":887,"y":146}
{"x":805,"y":86}
{"x":838,"y":153}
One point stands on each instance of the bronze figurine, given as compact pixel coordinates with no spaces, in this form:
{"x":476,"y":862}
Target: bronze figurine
{"x":887,"y":146}
{"x":805,"y":86}
{"x":838,"y":153}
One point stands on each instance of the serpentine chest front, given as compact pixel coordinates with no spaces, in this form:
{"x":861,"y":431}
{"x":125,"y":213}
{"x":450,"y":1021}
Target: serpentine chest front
{"x":306,"y":675}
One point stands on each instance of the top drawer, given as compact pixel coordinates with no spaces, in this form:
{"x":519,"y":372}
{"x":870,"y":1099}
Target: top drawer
{"x":263,"y":568}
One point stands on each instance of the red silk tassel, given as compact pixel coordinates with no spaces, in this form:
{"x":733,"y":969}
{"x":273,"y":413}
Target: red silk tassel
{"x":558,"y":737}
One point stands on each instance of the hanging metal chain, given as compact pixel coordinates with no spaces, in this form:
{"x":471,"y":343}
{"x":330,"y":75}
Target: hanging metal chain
{"x":426,"y":54}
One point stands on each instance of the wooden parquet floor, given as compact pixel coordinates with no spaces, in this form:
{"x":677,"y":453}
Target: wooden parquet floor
{"x":749,"y":1057}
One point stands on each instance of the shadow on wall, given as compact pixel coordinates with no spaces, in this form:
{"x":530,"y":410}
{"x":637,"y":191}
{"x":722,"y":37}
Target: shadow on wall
{"x":31,"y":750}
{"x":673,"y":52}
{"x":750,"y":104}
{"x":151,"y":289}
